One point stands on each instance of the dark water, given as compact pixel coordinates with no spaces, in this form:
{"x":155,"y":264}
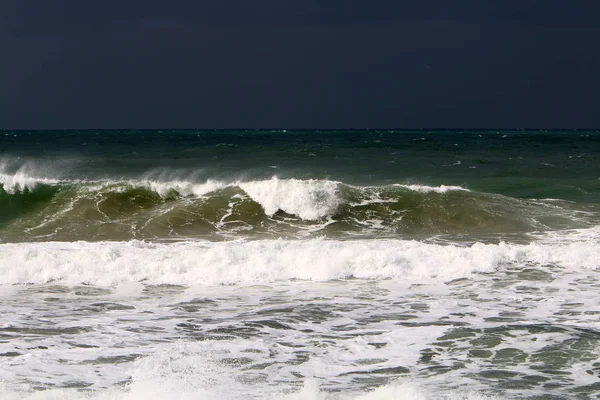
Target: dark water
{"x":563,"y":164}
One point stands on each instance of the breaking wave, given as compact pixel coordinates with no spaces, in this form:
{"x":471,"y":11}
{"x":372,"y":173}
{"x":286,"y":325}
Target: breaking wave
{"x":33,"y":208}
{"x":234,"y":262}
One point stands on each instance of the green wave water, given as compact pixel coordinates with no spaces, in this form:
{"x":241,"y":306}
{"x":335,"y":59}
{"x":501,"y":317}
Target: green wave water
{"x":125,"y":210}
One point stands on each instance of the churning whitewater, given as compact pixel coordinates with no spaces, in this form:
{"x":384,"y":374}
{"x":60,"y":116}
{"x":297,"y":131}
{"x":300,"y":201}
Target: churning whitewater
{"x":268,"y":261}
{"x":299,"y":265}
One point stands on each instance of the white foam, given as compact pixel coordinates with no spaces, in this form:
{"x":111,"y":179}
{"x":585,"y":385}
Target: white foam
{"x":210,"y":263}
{"x":393,"y":391}
{"x":435,"y":189}
{"x":589,"y":235}
{"x":309,"y":199}
{"x":412,"y":391}
{"x":193,"y":371}
{"x":181,"y":387}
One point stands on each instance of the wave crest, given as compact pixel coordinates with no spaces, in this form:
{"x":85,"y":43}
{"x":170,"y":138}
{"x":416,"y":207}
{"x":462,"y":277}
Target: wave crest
{"x":308,"y":199}
{"x":53,"y":209}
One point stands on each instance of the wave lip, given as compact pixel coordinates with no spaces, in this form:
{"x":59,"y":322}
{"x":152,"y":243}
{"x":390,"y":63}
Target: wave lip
{"x":17,"y":175}
{"x":215,"y":263}
{"x":21,"y":181}
{"x":308,"y":199}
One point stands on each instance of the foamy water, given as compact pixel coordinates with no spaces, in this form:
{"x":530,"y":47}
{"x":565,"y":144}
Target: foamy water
{"x":313,"y":319}
{"x":340,"y":339}
{"x":210,"y":263}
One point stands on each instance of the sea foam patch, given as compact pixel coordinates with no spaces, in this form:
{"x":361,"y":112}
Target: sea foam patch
{"x":183,"y":371}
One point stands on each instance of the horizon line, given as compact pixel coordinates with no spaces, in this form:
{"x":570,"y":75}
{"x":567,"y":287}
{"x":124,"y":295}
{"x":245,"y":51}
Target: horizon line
{"x":277,"y":129}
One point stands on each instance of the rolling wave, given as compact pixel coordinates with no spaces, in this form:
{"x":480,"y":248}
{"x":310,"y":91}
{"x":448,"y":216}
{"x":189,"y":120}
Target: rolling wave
{"x":34,"y":208}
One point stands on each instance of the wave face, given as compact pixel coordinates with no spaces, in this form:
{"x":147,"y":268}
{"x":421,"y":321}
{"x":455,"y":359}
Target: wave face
{"x":33,"y":208}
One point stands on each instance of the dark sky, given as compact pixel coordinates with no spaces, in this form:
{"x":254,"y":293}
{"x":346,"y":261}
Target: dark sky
{"x":302,"y":64}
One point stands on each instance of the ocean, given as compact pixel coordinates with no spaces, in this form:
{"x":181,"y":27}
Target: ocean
{"x":300,"y":264}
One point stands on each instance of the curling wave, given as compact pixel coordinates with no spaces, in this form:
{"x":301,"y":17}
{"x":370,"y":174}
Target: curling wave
{"x":52,"y":209}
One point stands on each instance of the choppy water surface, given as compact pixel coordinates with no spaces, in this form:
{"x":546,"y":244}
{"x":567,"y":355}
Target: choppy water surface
{"x":299,"y":265}
{"x":521,"y":332}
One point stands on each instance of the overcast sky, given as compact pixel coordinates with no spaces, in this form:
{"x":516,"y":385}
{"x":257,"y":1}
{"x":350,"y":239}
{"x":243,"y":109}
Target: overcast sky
{"x":299,"y":64}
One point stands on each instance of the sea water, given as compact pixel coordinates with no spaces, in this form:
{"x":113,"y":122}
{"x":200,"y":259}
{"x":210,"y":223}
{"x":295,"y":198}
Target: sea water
{"x":270,"y":264}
